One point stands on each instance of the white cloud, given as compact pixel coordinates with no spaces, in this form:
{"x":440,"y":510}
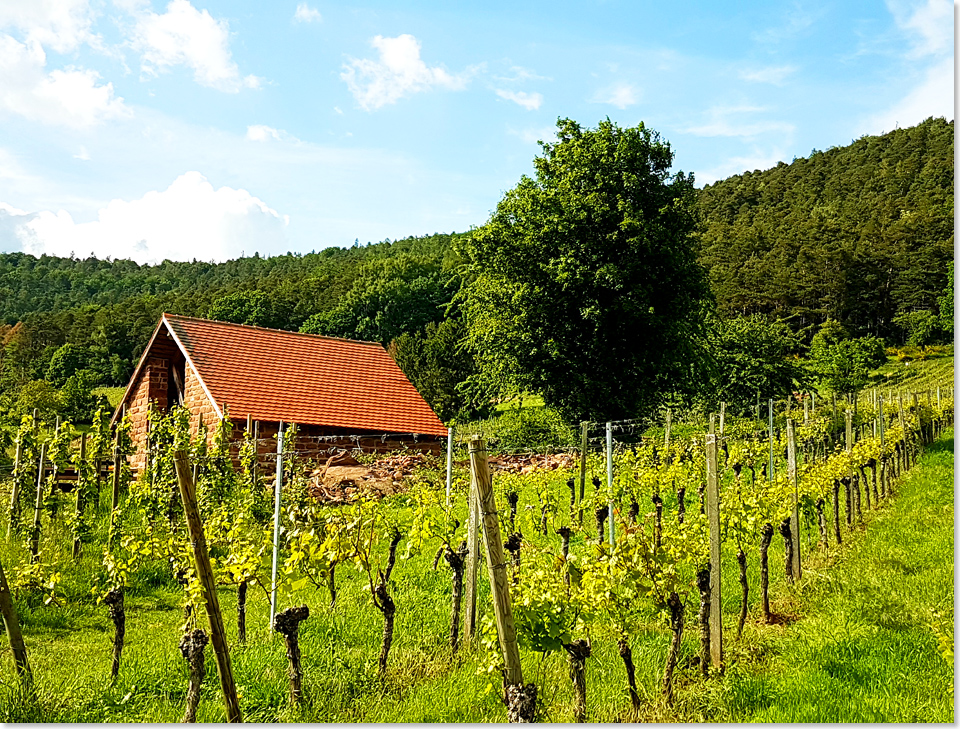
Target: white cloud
{"x":399,"y":72}
{"x":519,"y":73}
{"x":620,"y":95}
{"x":262,"y":133}
{"x":188,"y":220}
{"x":68,"y":97}
{"x":771,"y":75}
{"x":929,"y":64}
{"x":723,"y":122}
{"x":931,"y":97}
{"x":529,"y":102}
{"x":797,"y":20}
{"x":60,"y":25}
{"x":83,"y":154}
{"x":929,"y":23}
{"x":186,"y":36}
{"x":306,"y":14}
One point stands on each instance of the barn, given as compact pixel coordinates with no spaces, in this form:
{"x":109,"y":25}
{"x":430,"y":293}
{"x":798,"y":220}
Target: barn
{"x":339,"y":392}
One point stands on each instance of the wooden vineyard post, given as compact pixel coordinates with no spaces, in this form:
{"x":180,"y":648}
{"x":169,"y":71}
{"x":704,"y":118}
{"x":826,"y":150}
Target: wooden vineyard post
{"x":496,"y":565}
{"x":14,"y":524}
{"x":795,"y":512}
{"x":903,"y":427}
{"x":81,"y":496}
{"x":723,"y":413}
{"x":848,"y":414}
{"x":806,"y":411}
{"x":611,"y":529}
{"x":12,"y":626}
{"x":666,"y":430}
{"x":208,"y":584}
{"x":276,"y":525}
{"x":713,"y":520}
{"x":584,"y":427}
{"x":35,"y":533}
{"x":916,"y":410}
{"x":256,"y":452}
{"x":883,"y":457}
{"x":449,"y":463}
{"x":114,"y":488}
{"x":770,"y":412}
{"x":473,"y":543}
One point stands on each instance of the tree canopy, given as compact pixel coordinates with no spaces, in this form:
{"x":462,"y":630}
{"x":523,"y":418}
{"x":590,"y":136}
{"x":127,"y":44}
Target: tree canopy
{"x":584,"y":285}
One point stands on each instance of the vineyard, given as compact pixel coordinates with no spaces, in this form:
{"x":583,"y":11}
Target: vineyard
{"x":617,"y":581}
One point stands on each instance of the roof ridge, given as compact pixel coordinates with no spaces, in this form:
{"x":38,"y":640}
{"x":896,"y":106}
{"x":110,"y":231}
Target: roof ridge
{"x":270,"y":329}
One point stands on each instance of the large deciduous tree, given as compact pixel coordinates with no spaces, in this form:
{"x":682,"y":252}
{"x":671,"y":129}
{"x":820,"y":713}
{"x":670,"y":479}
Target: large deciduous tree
{"x":583,"y":285}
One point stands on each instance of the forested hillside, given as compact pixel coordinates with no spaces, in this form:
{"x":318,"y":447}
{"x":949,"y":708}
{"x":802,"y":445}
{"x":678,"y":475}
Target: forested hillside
{"x":860,"y":234}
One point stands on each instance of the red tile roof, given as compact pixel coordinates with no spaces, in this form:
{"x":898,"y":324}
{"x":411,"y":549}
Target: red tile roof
{"x":275,"y":375}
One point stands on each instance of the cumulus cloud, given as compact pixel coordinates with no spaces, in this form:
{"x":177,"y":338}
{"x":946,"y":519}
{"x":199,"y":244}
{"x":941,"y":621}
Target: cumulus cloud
{"x":620,"y":95}
{"x":399,"y":72}
{"x":929,"y":63}
{"x":529,"y":101}
{"x":306,"y":14}
{"x":185,"y":36}
{"x":262,"y":133}
{"x":60,"y":25}
{"x":189,"y":220}
{"x":70,"y":97}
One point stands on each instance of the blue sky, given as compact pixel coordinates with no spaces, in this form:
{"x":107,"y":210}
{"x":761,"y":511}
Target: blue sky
{"x":209,"y":129}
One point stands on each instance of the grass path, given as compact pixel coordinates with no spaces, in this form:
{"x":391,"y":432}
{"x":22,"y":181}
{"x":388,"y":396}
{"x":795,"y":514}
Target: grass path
{"x":875,"y":643}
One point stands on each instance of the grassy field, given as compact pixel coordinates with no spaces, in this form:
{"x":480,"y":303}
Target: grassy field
{"x":864,"y":638}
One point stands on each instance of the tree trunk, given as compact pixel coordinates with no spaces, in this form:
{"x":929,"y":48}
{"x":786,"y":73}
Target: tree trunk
{"x":787,"y":548}
{"x":457,"y":562}
{"x":626,"y":655}
{"x":191,"y":647}
{"x":836,"y":513}
{"x":855,"y":490}
{"x":634,"y":510}
{"x":744,"y":590}
{"x":386,"y":605}
{"x":600,"y":515}
{"x":114,"y":602}
{"x":681,"y":504}
{"x":513,"y":499}
{"x":242,"y":612}
{"x":822,"y":523}
{"x":332,"y":584}
{"x":765,"y":539}
{"x":521,"y":703}
{"x":578,"y":652}
{"x":564,"y":533}
{"x":675,"y":606}
{"x":848,"y":490}
{"x":658,"y":523}
{"x":512,"y":545}
{"x":703,"y":585}
{"x":287,"y":623}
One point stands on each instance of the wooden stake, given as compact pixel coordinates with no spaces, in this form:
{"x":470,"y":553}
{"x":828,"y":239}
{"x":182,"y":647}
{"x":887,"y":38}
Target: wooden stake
{"x":14,"y":523}
{"x":723,"y":414}
{"x":770,"y":412}
{"x":208,"y":584}
{"x":713,"y":520}
{"x":12,"y":625}
{"x":666,"y":430}
{"x":611,"y":530}
{"x":35,"y":533}
{"x":496,"y":564}
{"x":276,"y":524}
{"x":795,"y":512}
{"x":449,"y":463}
{"x":81,"y":497}
{"x":584,"y":427}
{"x":473,"y":550}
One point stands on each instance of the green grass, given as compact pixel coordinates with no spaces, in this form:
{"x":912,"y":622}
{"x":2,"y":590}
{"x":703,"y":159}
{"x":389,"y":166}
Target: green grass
{"x":866,"y":643}
{"x":874,"y":642}
{"x":113,"y":394}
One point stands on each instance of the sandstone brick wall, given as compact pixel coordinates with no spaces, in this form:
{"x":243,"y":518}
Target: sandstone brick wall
{"x":201,"y":409}
{"x":151,"y":384}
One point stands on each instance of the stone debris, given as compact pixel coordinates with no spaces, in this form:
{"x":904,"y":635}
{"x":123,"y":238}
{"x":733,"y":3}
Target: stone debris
{"x":342,"y":478}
